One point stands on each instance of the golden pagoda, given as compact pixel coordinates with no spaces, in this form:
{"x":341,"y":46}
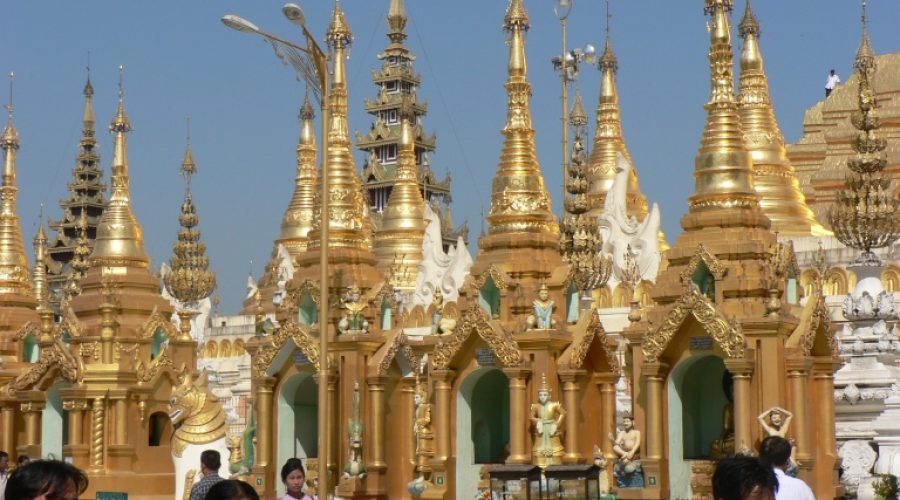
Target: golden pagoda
{"x":609,"y":142}
{"x":72,"y":244}
{"x":727,"y":339}
{"x":773,"y":176}
{"x":293,"y":240}
{"x":398,"y":242}
{"x":19,"y":346}
{"x":107,"y":370}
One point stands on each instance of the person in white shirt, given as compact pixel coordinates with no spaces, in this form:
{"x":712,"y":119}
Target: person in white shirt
{"x":776,"y":452}
{"x":4,"y":472}
{"x":832,"y":82}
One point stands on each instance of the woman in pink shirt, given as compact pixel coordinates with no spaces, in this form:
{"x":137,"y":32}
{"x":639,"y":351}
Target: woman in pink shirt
{"x":294,"y":478}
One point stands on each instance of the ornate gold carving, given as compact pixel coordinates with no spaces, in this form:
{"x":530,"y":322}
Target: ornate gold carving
{"x":581,"y":346}
{"x":55,"y":355}
{"x":715,"y":266}
{"x":156,"y":321}
{"x":119,"y":349}
{"x":98,"y":428}
{"x":70,"y":322}
{"x":475,"y":319}
{"x":814,"y":321}
{"x":146,"y":373}
{"x":292,"y":330}
{"x":29,"y":328}
{"x":198,"y":412}
{"x":727,"y":334}
{"x":501,"y":279}
{"x":89,"y":350}
{"x":396,"y":344}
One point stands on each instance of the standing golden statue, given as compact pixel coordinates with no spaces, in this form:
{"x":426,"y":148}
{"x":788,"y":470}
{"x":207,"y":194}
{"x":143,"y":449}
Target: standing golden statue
{"x":547,"y":417}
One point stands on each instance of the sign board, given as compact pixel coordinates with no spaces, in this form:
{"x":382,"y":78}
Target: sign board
{"x":701,"y":343}
{"x":111,"y":495}
{"x":484,"y":356}
{"x":300,"y":359}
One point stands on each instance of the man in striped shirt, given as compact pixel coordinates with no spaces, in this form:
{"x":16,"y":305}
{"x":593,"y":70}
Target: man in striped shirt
{"x":210,"y":462}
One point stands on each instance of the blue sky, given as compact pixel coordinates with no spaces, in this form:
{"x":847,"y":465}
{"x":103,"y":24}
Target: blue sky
{"x":180,"y":60}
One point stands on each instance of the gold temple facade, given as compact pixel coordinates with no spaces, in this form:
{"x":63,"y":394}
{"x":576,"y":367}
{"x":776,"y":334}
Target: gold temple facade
{"x":423,"y":398}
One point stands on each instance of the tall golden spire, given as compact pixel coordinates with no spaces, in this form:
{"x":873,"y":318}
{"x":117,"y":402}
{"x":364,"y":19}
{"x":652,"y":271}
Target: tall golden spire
{"x":119,"y":236}
{"x":774,"y":177}
{"x":609,"y":142}
{"x":722,"y":170}
{"x":398,"y":242}
{"x":14,"y":278}
{"x":519,"y":200}
{"x":39,"y":273}
{"x":298,"y":218}
{"x":397,"y":25}
{"x":866,"y":214}
{"x":347,"y":206}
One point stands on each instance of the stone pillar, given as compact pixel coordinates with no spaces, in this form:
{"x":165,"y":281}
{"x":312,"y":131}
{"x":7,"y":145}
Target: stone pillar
{"x":265,"y":418}
{"x":607,"y":385}
{"x":375,"y":434}
{"x":443,"y":386}
{"x":655,"y":379}
{"x":798,"y":371}
{"x":570,"y":398}
{"x":741,"y":371}
{"x":7,"y":428}
{"x":518,"y":414}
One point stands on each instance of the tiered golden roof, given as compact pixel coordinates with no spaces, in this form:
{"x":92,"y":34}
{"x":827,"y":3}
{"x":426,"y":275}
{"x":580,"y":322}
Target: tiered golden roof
{"x":519,"y":199}
{"x":609,"y":142}
{"x":866,"y":214}
{"x":773,"y":176}
{"x":85,"y":198}
{"x":80,"y":262}
{"x":398,"y":242}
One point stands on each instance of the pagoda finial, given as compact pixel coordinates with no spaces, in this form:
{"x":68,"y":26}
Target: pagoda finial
{"x":39,"y":273}
{"x":119,"y":236}
{"x":298,"y":218}
{"x":519,"y":200}
{"x":188,"y":166}
{"x":609,"y":140}
{"x":577,"y":116}
{"x":397,"y":19}
{"x":398,"y":242}
{"x":866,"y":214}
{"x":14,"y":278}
{"x":722,"y":169}
{"x":774,"y":178}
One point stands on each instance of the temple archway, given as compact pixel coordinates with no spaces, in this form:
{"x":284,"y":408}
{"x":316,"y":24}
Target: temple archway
{"x":159,"y":429}
{"x":54,"y":423}
{"x":695,"y":401}
{"x":298,"y":421}
{"x":482,"y":425}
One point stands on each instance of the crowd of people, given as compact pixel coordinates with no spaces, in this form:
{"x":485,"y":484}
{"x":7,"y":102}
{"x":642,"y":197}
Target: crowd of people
{"x":736,"y":478}
{"x":59,"y":480}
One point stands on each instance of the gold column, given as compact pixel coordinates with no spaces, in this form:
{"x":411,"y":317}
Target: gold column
{"x":570,"y":399}
{"x":333,"y":453}
{"x":98,"y":432}
{"x":798,"y":370}
{"x":654,"y":378}
{"x":408,"y":391}
{"x":32,"y":412}
{"x":518,"y":414}
{"x":121,"y":421}
{"x":76,"y":423}
{"x":443,"y":385}
{"x":741,"y":371}
{"x":375,"y":435}
{"x":7,"y":428}
{"x":264,"y":421}
{"x":607,"y":385}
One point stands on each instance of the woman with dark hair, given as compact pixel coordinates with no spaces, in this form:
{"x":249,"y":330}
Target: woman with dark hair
{"x":231,"y":489}
{"x":46,"y":479}
{"x":294,"y":478}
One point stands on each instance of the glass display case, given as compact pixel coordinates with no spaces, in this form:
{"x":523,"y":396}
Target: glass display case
{"x":581,"y":481}
{"x":516,"y":482}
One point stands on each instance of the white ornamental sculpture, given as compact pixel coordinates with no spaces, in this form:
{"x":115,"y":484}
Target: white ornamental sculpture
{"x":439,"y":270}
{"x":620,"y":230}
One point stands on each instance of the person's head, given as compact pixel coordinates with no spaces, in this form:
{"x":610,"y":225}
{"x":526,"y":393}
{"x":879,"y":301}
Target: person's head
{"x":22,"y":460}
{"x":543,"y":396}
{"x":4,"y":461}
{"x":832,"y":73}
{"x":210,"y":461}
{"x":775,"y":451}
{"x":743,"y":478}
{"x":776,"y":418}
{"x":543,"y":293}
{"x":294,"y":477}
{"x":231,"y":489}
{"x":46,"y":480}
{"x":628,"y":422}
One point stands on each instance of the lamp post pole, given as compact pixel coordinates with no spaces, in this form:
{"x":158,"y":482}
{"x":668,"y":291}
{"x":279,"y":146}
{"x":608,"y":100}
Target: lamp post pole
{"x":562,"y":9}
{"x":311,"y":64}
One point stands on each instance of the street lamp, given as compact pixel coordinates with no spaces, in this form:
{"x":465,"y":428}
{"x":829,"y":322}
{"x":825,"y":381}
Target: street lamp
{"x":311,"y":65}
{"x":567,"y":65}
